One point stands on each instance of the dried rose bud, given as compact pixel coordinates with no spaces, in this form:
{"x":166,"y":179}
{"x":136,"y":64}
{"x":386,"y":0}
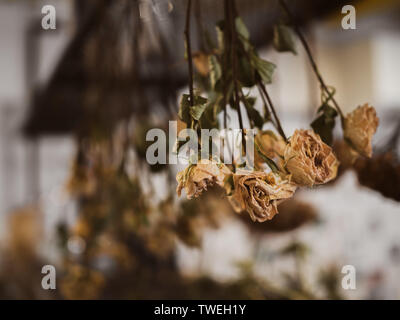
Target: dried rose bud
{"x":359,"y":128}
{"x":309,"y":160}
{"x":259,"y":193}
{"x":198,"y":177}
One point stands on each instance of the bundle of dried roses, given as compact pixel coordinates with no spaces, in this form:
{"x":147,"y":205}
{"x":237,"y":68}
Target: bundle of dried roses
{"x":281,"y":164}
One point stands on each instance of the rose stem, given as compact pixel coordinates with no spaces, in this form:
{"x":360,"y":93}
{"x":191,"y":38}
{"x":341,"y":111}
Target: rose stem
{"x":225,"y":63}
{"x":235,"y":84}
{"x":262,"y":89}
{"x":189,"y":52}
{"x":243,"y":99}
{"x":266,"y":109}
{"x":278,"y":122}
{"x":310,"y":56}
{"x":199,"y":25}
{"x":225,"y":60}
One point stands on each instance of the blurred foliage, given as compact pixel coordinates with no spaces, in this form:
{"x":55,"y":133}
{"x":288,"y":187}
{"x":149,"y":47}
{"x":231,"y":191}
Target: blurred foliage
{"x":292,"y":215}
{"x":381,"y":173}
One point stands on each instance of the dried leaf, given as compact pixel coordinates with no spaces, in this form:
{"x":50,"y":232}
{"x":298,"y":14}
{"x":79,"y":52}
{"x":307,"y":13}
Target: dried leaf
{"x":241,"y":28}
{"x":184,"y":110}
{"x":283,"y":39}
{"x":246,"y":72}
{"x":254,"y":116}
{"x":267,"y":160}
{"x":215,"y":70}
{"x":325,"y":123}
{"x":188,"y":112}
{"x":264,"y":68}
{"x":197,"y":110}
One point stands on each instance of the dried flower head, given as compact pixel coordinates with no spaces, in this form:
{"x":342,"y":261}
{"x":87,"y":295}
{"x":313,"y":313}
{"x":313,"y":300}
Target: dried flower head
{"x":259,"y":193}
{"x":198,"y":177}
{"x":359,"y":128}
{"x":309,"y":160}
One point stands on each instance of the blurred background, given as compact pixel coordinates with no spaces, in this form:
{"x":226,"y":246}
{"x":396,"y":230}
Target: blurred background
{"x":76,"y":191}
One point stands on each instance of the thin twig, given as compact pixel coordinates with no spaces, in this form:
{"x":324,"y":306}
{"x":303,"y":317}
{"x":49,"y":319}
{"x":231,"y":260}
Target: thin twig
{"x":225,"y":59}
{"x":263,"y":92}
{"x":266,"y":109}
{"x":271,"y":105}
{"x":199,"y":25}
{"x":309,"y":54}
{"x":234,"y":73}
{"x":267,"y":113}
{"x":243,"y":99}
{"x":189,"y":52}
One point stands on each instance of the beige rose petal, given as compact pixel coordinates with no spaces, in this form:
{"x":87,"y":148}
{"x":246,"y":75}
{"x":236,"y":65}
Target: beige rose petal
{"x":309,"y":160}
{"x":197,"y":178}
{"x":259,"y":194}
{"x":359,"y":127}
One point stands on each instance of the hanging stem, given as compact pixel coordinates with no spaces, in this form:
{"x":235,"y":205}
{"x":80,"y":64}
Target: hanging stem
{"x":243,"y":99}
{"x":189,"y":52}
{"x":266,"y":109}
{"x":234,"y":72}
{"x":271,"y":105}
{"x":263,"y":92}
{"x":225,"y":59}
{"x":310,"y":56}
{"x":199,"y":25}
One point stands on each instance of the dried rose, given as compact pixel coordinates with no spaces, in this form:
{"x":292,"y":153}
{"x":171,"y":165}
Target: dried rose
{"x":359,"y":128}
{"x":309,"y":160}
{"x":259,"y":193}
{"x":198,"y":177}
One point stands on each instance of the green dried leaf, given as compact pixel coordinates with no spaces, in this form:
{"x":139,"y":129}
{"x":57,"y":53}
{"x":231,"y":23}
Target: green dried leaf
{"x":184,"y":110}
{"x":246,"y":72}
{"x":267,"y":160}
{"x":283,"y":39}
{"x":197,"y":110}
{"x":325,"y":123}
{"x":187,"y":112}
{"x":241,"y":28}
{"x":209,"y":119}
{"x":264,"y":68}
{"x":215,"y":70}
{"x":254,"y":116}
